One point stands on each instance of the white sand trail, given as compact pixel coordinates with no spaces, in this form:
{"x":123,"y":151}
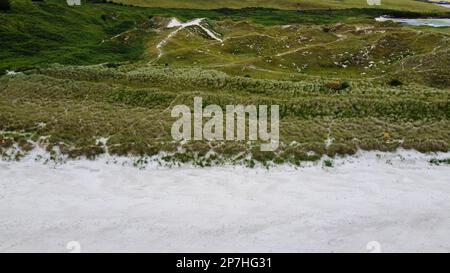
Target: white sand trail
{"x":175,"y":23}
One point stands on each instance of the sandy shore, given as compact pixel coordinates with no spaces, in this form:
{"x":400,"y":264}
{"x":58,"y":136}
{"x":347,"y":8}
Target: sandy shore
{"x":398,"y":200}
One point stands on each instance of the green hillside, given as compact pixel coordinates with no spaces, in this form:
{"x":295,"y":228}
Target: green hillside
{"x":39,"y":33}
{"x":409,"y":5}
{"x":36,"y":33}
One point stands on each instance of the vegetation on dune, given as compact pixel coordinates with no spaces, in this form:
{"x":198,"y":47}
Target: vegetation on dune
{"x":294,"y":52}
{"x":78,"y":105}
{"x":342,"y":81}
{"x":436,"y":161}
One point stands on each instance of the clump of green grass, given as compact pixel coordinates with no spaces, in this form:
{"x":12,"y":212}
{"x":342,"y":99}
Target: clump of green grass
{"x":395,"y":82}
{"x":328,"y":163}
{"x":336,"y":87}
{"x":436,"y":161}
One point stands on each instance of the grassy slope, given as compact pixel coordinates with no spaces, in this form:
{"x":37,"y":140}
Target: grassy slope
{"x":409,"y":5}
{"x":79,"y":105}
{"x":39,"y":33}
{"x":299,"y":51}
{"x":34,"y":33}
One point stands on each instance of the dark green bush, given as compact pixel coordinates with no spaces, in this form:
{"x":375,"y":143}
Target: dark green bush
{"x":395,"y":82}
{"x":5,"y":5}
{"x":333,"y":86}
{"x":436,"y":161}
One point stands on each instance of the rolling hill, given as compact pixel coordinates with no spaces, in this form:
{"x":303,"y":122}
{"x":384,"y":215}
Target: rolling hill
{"x":409,"y":5}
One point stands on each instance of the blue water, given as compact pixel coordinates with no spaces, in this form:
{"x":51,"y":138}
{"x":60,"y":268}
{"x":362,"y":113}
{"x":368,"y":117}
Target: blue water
{"x":443,"y":5}
{"x":418,"y":22}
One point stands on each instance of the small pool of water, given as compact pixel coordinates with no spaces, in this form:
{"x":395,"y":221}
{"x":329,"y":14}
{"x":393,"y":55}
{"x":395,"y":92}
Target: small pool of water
{"x":444,"y":22}
{"x":446,"y":5}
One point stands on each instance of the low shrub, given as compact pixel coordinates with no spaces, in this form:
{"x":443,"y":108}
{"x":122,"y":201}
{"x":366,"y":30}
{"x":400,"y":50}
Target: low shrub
{"x":328,"y":163}
{"x":436,"y":161}
{"x":395,"y":82}
{"x":333,"y":86}
{"x":5,"y":5}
